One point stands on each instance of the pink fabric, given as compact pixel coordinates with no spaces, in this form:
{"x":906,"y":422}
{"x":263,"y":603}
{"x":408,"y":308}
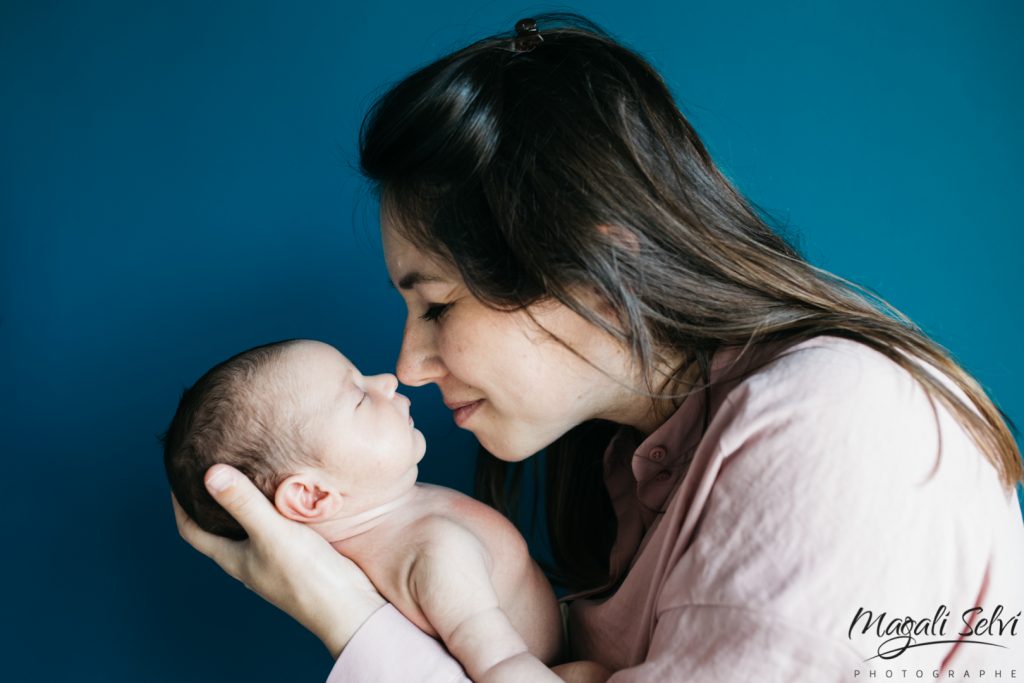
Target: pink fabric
{"x":388,"y":648}
{"x":745,"y":550}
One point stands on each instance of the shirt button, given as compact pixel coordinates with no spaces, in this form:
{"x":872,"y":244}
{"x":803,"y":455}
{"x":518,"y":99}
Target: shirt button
{"x":664,"y":475}
{"x":657,"y":453}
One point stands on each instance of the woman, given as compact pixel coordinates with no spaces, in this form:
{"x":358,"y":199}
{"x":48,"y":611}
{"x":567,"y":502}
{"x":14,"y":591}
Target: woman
{"x":748,"y":460}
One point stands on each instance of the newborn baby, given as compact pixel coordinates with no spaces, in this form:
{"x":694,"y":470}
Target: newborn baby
{"x":338,"y":451}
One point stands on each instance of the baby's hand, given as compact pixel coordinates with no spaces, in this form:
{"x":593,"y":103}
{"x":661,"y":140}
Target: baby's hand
{"x":582,"y":672}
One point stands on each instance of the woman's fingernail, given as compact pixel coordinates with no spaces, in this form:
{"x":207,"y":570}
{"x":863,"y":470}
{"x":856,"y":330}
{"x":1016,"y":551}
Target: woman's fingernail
{"x":220,"y":480}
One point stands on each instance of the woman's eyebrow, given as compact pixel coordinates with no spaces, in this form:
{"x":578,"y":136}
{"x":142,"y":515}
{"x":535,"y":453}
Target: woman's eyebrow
{"x":414,"y":278}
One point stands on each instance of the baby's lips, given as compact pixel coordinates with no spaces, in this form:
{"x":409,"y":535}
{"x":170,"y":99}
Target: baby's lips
{"x":408,"y":405}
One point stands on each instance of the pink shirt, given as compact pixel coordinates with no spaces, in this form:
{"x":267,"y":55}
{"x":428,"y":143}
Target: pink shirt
{"x":744,"y":551}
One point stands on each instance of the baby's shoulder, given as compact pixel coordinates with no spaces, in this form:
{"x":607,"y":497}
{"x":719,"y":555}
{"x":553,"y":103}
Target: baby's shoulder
{"x":435,"y":527}
{"x":442,"y":545}
{"x":455,"y":519}
{"x":453,"y":506}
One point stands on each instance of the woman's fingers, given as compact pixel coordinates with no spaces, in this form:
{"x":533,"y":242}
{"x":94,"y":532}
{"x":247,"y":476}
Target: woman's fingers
{"x":243,"y":501}
{"x":287,"y":563}
{"x":219,"y":549}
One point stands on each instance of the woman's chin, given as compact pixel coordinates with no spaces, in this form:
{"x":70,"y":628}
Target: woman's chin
{"x":506,"y":451}
{"x":510,"y":441}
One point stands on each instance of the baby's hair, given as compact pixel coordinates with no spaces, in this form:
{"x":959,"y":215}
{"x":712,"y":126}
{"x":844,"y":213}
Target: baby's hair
{"x":229,"y":416}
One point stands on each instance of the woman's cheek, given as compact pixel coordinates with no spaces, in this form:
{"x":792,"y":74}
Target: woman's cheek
{"x":462,"y":348}
{"x":448,"y":351}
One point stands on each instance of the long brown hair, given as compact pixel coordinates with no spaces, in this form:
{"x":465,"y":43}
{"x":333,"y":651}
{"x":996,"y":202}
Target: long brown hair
{"x":505,"y":163}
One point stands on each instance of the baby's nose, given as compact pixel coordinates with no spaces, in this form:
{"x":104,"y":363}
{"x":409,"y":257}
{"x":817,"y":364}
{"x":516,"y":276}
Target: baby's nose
{"x":390,"y":383}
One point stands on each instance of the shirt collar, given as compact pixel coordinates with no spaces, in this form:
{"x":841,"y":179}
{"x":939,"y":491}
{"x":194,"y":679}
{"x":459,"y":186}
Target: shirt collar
{"x":659,"y":461}
{"x":641,"y":473}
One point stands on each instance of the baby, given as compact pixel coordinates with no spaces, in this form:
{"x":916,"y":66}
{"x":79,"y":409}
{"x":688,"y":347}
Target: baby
{"x":338,"y":451}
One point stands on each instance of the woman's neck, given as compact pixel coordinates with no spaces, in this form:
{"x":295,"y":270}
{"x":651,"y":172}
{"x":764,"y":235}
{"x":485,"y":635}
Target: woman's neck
{"x":646,"y":414}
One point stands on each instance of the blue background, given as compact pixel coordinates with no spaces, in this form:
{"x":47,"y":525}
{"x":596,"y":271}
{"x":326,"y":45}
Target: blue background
{"x":177,"y":183}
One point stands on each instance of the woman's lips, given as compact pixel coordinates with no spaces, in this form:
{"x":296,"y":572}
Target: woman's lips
{"x":465,"y":410}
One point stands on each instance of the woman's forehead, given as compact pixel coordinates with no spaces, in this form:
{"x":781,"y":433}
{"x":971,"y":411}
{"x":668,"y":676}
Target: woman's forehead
{"x":410,"y":265}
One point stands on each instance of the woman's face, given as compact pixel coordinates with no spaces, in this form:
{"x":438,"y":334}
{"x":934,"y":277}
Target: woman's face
{"x":506,"y":379}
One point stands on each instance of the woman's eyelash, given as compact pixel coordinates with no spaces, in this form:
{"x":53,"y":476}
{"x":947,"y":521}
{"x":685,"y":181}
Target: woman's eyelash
{"x":434,"y":311}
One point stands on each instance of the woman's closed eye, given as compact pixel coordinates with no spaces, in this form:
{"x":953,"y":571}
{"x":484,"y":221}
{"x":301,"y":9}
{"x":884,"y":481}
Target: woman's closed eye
{"x":434,"y":311}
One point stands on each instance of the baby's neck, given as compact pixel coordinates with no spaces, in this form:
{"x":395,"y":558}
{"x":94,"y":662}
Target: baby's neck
{"x":344,"y":528}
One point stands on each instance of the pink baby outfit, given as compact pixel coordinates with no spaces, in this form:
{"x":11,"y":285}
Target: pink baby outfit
{"x":745,"y":550}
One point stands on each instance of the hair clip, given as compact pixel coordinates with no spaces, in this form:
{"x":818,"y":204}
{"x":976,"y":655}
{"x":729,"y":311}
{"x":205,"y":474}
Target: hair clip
{"x":527,"y":35}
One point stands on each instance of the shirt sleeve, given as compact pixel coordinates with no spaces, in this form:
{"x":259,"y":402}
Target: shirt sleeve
{"x":388,"y":648}
{"x":823,"y":492}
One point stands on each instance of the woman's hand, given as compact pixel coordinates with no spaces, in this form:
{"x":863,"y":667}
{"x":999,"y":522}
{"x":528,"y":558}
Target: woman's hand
{"x":288,"y":564}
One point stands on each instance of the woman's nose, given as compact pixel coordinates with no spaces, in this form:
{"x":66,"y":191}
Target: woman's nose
{"x":418,"y":362}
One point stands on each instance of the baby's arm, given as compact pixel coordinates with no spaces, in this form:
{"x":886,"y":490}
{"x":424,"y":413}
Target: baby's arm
{"x":451,"y":582}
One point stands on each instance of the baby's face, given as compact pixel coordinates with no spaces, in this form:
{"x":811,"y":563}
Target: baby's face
{"x":360,"y":426}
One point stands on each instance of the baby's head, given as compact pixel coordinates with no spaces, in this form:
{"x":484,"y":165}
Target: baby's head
{"x":313,"y":434}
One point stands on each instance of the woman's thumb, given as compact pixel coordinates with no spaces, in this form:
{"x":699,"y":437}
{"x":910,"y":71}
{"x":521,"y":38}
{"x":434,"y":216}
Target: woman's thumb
{"x":235,"y":493}
{"x":219,"y":478}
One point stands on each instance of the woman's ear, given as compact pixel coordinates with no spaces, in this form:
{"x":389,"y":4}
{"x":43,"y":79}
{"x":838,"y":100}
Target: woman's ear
{"x":300,"y":497}
{"x":624,"y":238}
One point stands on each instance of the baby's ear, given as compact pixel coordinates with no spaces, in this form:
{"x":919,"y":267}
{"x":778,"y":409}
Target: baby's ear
{"x":300,"y":497}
